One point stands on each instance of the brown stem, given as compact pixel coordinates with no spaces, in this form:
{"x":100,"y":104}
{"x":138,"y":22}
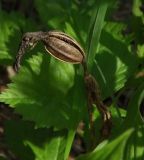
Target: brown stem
{"x":90,"y":107}
{"x":94,"y":97}
{"x":23,"y":46}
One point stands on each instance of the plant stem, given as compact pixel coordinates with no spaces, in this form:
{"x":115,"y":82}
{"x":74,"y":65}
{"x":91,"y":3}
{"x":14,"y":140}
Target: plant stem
{"x":94,"y":97}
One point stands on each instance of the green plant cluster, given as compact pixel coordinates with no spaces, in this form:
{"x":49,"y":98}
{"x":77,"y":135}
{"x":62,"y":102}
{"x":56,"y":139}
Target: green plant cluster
{"x":50,"y":95}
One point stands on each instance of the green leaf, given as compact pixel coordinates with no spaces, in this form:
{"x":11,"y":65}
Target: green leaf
{"x":18,"y":131}
{"x":96,"y":25}
{"x":8,"y":29}
{"x":43,"y":93}
{"x":30,"y":143}
{"x":49,"y":150}
{"x":69,"y":141}
{"x":133,"y":113}
{"x":134,"y":148}
{"x":136,"y":8}
{"x":53,"y":13}
{"x":140,"y":50}
{"x":114,"y":63}
{"x":11,"y":29}
{"x":111,"y":150}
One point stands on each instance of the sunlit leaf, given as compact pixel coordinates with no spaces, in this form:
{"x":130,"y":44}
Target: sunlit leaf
{"x":114,"y":63}
{"x":112,"y":150}
{"x":40,"y":93}
{"x":96,"y":25}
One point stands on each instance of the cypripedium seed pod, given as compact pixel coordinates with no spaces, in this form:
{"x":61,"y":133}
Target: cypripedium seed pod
{"x":63,"y":47}
{"x":58,"y":44}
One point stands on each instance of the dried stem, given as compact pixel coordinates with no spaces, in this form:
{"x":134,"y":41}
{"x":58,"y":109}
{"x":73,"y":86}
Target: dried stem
{"x":94,"y":97}
{"x":19,"y":56}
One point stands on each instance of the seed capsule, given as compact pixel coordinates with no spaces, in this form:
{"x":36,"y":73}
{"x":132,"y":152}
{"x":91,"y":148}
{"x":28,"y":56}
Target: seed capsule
{"x":58,"y":44}
{"x":63,"y":47}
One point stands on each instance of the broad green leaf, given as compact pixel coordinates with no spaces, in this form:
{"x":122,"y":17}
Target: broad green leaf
{"x":30,"y":143}
{"x":133,"y":113}
{"x":111,"y":150}
{"x":49,"y":150}
{"x":136,"y":8}
{"x":114,"y":63}
{"x":65,"y":16}
{"x":80,"y":13}
{"x":140,"y":50}
{"x":70,"y":30}
{"x":134,"y":147}
{"x":116,"y":30}
{"x":53,"y":13}
{"x":8,"y":29}
{"x":42,"y":92}
{"x":12,"y":27}
{"x":16,"y":132}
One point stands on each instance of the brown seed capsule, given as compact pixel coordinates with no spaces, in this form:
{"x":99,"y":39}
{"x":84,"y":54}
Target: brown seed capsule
{"x":63,"y":47}
{"x":58,"y":44}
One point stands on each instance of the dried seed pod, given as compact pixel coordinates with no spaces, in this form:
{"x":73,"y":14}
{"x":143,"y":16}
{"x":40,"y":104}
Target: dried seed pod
{"x":58,"y":44}
{"x":63,"y":47}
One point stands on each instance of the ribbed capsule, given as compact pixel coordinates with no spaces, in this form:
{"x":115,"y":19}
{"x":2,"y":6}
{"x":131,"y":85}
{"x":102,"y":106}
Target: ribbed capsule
{"x":63,"y":47}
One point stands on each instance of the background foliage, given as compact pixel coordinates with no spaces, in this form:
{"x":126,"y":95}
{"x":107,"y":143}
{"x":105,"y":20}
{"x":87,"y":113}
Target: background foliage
{"x":50,"y":95}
